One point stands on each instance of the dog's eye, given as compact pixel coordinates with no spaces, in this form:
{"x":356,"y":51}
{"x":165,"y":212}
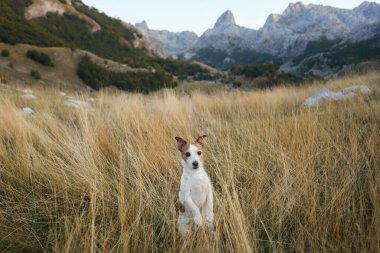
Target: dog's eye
{"x":187,"y":154}
{"x":199,"y":152}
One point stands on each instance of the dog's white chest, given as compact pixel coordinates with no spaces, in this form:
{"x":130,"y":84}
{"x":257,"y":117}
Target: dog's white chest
{"x":199,"y":190}
{"x":197,"y":185}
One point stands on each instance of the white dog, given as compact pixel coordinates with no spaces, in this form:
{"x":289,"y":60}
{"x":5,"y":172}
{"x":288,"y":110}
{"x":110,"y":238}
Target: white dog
{"x":195,"y":195}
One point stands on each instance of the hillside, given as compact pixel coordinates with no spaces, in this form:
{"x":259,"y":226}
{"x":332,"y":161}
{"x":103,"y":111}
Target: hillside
{"x":329,"y":57}
{"x":16,"y":67}
{"x":67,"y":29}
{"x":73,"y":25}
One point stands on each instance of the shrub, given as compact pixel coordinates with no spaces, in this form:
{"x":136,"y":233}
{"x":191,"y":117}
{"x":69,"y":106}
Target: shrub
{"x":40,"y":57}
{"x":254,"y":71}
{"x":5,"y":53}
{"x":98,"y":77}
{"x":35,"y":74}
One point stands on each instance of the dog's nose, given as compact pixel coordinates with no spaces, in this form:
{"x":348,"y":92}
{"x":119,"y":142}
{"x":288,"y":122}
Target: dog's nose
{"x":195,"y":164}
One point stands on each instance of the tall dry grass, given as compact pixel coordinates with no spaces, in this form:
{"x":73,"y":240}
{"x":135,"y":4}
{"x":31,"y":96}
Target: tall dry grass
{"x":286,"y":178}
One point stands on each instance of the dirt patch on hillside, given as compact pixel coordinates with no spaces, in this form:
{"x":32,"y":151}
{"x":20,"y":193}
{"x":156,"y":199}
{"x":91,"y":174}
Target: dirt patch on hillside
{"x":40,"y":8}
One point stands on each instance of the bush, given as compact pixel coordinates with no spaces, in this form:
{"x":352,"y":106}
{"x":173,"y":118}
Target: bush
{"x":97,"y":77}
{"x":35,"y":74}
{"x":5,"y":53}
{"x":254,"y":71}
{"x":40,"y":57}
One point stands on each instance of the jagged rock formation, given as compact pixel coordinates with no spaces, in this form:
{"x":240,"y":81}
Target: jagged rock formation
{"x":227,"y":35}
{"x":289,"y":33}
{"x":167,"y":43}
{"x":283,"y":35}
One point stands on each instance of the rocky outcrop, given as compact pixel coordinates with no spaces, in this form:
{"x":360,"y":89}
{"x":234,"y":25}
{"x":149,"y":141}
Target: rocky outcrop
{"x":343,"y":94}
{"x":40,"y":8}
{"x":227,"y":35}
{"x":226,"y":19}
{"x":167,"y":43}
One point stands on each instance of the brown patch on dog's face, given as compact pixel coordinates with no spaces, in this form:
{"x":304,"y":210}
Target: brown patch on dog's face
{"x":183,"y":147}
{"x":185,"y":152}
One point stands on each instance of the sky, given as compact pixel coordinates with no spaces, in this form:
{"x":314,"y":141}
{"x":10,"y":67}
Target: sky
{"x":199,"y":15}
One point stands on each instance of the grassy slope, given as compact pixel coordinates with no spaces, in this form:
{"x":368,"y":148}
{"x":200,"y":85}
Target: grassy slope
{"x":68,"y":31}
{"x":286,"y":178}
{"x":72,"y":32}
{"x":17,"y":66}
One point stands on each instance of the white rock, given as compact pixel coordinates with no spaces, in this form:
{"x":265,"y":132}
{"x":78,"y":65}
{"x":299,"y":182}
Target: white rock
{"x":27,"y":111}
{"x":324,"y":94}
{"x":25,"y":90}
{"x":28,"y":96}
{"x":75,"y":103}
{"x":361,"y":88}
{"x":327,"y":95}
{"x":62,"y":94}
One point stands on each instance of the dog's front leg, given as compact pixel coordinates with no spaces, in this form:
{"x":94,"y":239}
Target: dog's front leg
{"x":189,"y":203}
{"x":209,"y":209}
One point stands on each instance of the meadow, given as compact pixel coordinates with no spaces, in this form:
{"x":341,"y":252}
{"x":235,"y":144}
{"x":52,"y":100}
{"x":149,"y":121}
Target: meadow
{"x":286,"y":178}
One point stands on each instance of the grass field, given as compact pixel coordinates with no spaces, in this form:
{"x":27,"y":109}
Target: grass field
{"x":286,"y":178}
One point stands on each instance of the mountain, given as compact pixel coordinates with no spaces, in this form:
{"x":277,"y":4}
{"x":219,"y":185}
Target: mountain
{"x":167,"y":43}
{"x":283,"y":37}
{"x":227,"y":35}
{"x":73,"y":25}
{"x":288,"y":34}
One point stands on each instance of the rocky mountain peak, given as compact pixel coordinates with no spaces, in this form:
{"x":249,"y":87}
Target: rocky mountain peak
{"x":227,"y":18}
{"x":294,"y":8}
{"x":273,"y":18}
{"x":369,"y":9}
{"x":142,"y":25}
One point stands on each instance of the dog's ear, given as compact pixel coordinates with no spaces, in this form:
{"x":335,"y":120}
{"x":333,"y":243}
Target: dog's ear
{"x":201,"y":140}
{"x":180,"y":143}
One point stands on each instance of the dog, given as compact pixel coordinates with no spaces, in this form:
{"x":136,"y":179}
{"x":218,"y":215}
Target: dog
{"x":195,"y":194}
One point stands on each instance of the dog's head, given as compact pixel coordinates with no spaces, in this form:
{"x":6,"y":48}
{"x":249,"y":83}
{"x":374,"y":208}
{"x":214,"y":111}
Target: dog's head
{"x":192,"y":154}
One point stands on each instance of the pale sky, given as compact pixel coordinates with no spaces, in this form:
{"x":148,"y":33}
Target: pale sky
{"x":199,"y":15}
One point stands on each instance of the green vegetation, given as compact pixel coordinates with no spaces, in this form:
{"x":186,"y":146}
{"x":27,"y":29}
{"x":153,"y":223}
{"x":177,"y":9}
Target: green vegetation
{"x":211,"y":56}
{"x":254,"y":71}
{"x":269,"y":74}
{"x":351,"y":53}
{"x":14,"y":28}
{"x":223,"y":60}
{"x":97,"y":77}
{"x":337,"y":55}
{"x":5,"y":53}
{"x":178,"y":68}
{"x":315,"y":47}
{"x":40,"y":57}
{"x":114,"y":41}
{"x":35,"y":74}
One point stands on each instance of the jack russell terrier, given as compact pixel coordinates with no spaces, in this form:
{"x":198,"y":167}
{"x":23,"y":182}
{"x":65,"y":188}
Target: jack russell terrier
{"x":195,"y":194}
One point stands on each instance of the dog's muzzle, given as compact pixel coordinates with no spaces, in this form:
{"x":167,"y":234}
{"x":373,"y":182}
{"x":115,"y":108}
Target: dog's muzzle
{"x":195,"y":165}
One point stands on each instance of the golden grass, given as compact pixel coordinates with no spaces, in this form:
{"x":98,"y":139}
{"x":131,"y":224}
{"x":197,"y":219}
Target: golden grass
{"x":286,"y":178}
